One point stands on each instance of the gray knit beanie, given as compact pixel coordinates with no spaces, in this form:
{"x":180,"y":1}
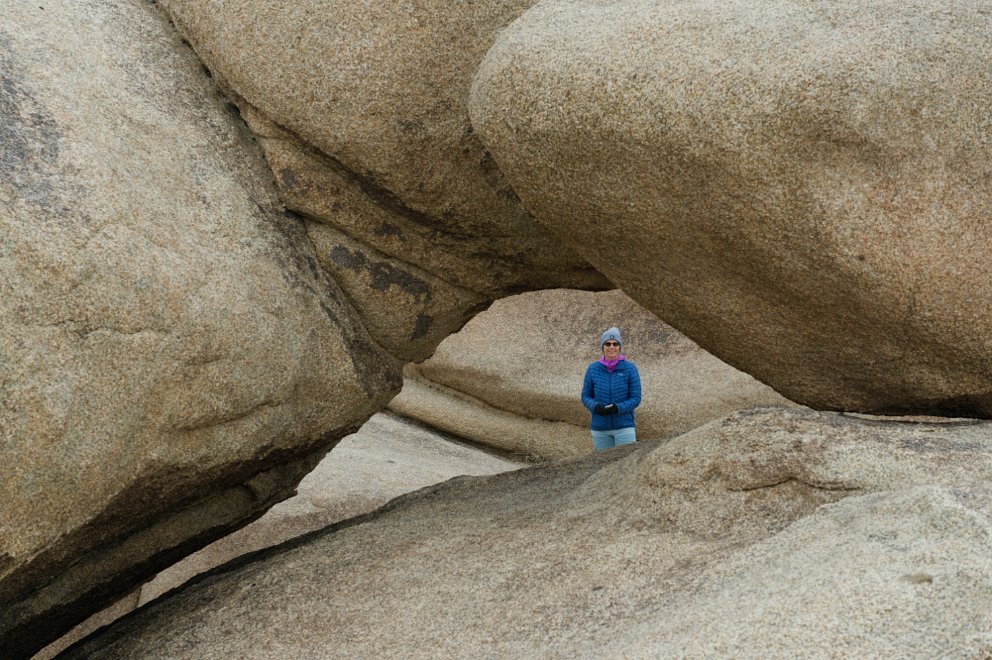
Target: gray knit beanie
{"x":611,"y":333}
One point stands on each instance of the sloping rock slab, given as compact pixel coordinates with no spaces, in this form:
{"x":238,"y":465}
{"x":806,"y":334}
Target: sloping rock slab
{"x":770,"y":531}
{"x":387,"y":457}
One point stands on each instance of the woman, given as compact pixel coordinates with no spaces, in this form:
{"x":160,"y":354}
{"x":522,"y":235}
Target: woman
{"x":611,"y":390}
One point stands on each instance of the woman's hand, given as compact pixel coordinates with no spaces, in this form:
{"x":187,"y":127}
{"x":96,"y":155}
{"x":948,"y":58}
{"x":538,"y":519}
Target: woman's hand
{"x":609,"y":409}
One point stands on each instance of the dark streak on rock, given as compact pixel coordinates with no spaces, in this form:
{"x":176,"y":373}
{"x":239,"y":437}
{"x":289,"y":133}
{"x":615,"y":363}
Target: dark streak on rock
{"x":141,"y":510}
{"x":328,"y":312}
{"x":423,"y":325}
{"x":376,"y":374}
{"x":378,"y":194}
{"x":350,"y":259}
{"x":475,"y":309}
{"x":388,"y":229}
{"x":299,"y":269}
{"x":492,"y":172}
{"x":314,"y":270}
{"x":977,"y":405}
{"x":385,"y":276}
{"x":412,"y":126}
{"x":288,"y":178}
{"x":30,"y":143}
{"x":382,"y":274}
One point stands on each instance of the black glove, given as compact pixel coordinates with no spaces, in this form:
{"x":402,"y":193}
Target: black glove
{"x":599,"y":409}
{"x":609,"y":409}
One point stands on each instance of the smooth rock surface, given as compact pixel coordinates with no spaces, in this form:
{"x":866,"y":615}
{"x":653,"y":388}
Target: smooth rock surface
{"x":361,"y":110}
{"x":512,"y":376}
{"x":387,"y":457}
{"x":800,"y":187}
{"x":172,"y":358}
{"x":770,"y":532}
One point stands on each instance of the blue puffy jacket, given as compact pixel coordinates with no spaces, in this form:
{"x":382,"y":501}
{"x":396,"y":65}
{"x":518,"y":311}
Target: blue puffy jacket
{"x":622,"y":387}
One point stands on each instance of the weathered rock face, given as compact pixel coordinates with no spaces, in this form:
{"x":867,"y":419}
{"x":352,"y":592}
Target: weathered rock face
{"x":512,"y":376}
{"x":172,"y":358}
{"x":802,"y":188}
{"x":362,"y":112}
{"x":770,"y":532}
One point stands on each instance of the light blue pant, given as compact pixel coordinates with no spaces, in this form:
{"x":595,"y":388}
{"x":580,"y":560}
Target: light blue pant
{"x":605,"y":439}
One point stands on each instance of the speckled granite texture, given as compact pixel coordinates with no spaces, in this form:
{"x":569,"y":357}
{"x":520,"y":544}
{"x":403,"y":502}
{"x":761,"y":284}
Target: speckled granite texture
{"x":772,"y":533}
{"x":172,"y":358}
{"x":800,"y":187}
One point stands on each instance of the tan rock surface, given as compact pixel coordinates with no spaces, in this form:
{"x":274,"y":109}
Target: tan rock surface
{"x":172,"y":359}
{"x":777,"y":531}
{"x":801,"y":196}
{"x":512,"y":376}
{"x":361,"y":111}
{"x":453,"y":411}
{"x":801,"y":187}
{"x":379,"y":87}
{"x":387,"y":457}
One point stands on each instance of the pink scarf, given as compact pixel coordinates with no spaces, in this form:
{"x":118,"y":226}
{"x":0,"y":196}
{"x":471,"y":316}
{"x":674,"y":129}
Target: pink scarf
{"x":611,"y":364}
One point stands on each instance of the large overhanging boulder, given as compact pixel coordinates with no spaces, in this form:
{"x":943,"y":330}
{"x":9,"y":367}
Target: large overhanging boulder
{"x":172,"y":358}
{"x":361,"y":109}
{"x":800,"y":187}
{"x":768,"y":533}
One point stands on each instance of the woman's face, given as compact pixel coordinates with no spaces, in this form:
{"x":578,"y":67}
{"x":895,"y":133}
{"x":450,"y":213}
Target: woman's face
{"x":611,"y":349}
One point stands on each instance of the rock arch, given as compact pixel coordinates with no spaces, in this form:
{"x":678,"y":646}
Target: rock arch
{"x":185,"y":334}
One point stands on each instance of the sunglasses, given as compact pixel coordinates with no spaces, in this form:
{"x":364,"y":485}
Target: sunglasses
{"x":611,"y":344}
